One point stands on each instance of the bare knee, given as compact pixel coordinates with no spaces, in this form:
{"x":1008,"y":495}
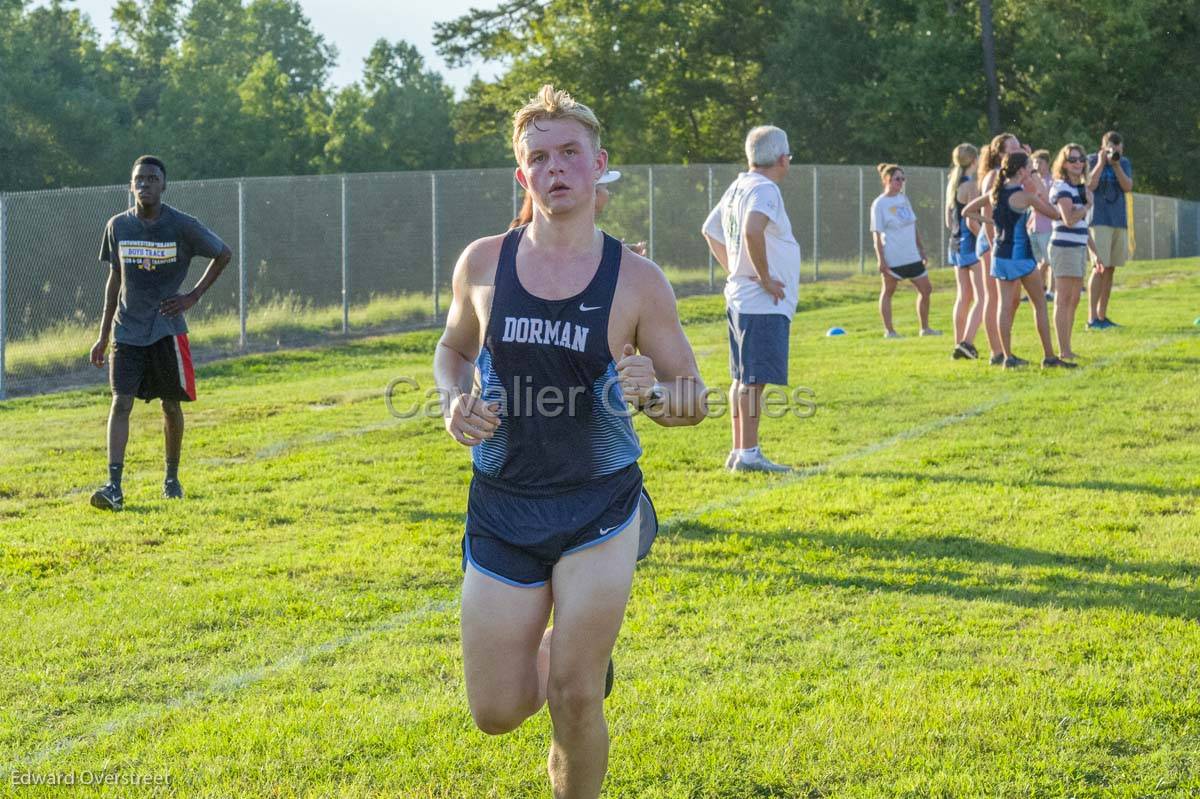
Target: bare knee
{"x":122,"y":404}
{"x":497,"y":719}
{"x":172,"y":409}
{"x":574,"y":703}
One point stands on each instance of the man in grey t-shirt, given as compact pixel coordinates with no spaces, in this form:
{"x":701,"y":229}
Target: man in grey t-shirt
{"x":148,"y":249}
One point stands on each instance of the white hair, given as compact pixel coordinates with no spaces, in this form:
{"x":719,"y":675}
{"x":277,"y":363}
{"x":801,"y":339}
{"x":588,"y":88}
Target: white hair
{"x":765,"y":144}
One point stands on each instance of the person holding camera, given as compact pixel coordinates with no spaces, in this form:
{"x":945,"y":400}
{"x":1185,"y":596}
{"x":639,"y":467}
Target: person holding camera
{"x":1110,"y":179}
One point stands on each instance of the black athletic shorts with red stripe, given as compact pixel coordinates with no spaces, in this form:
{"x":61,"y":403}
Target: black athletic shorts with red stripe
{"x":162,"y":370}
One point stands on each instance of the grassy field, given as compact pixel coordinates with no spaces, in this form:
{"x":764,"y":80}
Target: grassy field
{"x":979,"y":583}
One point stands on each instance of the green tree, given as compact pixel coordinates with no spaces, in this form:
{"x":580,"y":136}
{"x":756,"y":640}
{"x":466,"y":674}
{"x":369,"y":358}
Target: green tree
{"x":58,"y":106}
{"x":398,"y":117}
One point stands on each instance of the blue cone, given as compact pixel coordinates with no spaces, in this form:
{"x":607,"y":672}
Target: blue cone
{"x":837,"y":331}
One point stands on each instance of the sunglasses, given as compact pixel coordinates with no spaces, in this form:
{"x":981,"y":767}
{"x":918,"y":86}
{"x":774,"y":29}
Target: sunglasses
{"x":899,"y":178}
{"x":1075,"y":159}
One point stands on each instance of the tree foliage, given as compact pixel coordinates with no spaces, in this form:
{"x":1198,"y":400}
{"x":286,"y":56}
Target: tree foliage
{"x":241,"y":87}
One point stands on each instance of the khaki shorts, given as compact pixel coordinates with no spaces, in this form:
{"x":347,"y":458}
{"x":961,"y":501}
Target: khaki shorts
{"x":1112,"y":244}
{"x":1068,"y":261}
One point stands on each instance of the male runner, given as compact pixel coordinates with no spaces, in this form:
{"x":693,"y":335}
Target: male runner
{"x":148,"y":249}
{"x":550,"y":316}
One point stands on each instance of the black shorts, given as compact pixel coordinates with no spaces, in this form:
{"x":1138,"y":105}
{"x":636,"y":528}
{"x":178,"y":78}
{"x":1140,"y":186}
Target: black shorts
{"x":908,"y":271}
{"x":162,"y":370}
{"x":517,"y":536}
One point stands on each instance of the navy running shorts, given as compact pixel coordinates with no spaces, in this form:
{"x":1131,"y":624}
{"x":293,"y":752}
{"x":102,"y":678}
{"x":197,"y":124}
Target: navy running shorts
{"x":517,"y":535}
{"x":162,"y":370}
{"x":758,"y":347}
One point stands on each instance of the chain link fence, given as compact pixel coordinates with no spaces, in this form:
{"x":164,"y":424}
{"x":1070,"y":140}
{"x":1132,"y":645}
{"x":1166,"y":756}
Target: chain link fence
{"x":320,"y":258}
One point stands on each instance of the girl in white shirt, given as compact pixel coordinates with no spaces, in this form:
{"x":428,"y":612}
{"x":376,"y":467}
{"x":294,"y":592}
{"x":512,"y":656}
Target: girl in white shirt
{"x":898,"y":248}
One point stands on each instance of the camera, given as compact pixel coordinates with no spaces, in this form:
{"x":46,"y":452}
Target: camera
{"x":1112,"y":154}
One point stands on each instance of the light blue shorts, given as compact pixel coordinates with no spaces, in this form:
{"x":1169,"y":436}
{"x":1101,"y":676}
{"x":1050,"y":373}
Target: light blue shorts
{"x":981,"y":244}
{"x":1012,"y":268}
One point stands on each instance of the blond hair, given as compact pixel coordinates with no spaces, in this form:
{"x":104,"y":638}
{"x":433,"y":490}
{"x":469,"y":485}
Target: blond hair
{"x":886,"y":171}
{"x":551,"y":103}
{"x":962,"y":158}
{"x":1059,"y":168}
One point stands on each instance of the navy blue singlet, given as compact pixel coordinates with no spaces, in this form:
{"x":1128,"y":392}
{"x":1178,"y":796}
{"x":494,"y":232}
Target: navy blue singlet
{"x":555,"y":352}
{"x":1012,"y":241}
{"x":962,"y":240}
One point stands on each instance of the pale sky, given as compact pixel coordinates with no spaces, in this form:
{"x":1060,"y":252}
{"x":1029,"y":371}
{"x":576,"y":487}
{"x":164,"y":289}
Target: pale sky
{"x":354,"y":25}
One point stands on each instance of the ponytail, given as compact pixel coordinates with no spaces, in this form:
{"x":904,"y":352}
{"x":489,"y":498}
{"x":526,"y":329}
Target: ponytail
{"x":1012,"y":164}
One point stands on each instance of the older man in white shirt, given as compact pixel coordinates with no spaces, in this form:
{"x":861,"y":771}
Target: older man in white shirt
{"x":750,"y":234}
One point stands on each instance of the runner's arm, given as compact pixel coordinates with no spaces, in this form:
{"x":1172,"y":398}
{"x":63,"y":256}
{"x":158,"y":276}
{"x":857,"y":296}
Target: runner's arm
{"x":468,"y":419}
{"x":677,"y":397}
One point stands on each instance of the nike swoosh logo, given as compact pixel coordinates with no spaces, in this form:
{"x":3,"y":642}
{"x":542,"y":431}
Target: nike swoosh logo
{"x":607,"y":530}
{"x":586,"y":308}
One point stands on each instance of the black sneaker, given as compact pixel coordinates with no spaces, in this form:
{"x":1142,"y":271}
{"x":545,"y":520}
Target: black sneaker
{"x":1104,"y":320}
{"x":997,"y":359}
{"x":172,"y":489}
{"x":108,"y":497}
{"x":1013,"y":362}
{"x":971,"y":349}
{"x":608,"y":679}
{"x":1057,"y":363}
{"x":960,"y":352}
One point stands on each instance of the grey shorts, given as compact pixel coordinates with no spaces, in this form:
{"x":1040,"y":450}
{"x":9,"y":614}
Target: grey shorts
{"x":1068,"y":261}
{"x":758,"y":347}
{"x":1041,"y":244}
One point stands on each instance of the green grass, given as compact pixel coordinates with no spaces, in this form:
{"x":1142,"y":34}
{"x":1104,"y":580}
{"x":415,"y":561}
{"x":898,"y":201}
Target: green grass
{"x":981,"y":584}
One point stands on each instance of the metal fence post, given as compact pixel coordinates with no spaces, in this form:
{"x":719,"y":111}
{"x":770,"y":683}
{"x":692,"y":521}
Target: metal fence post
{"x":3,"y":292}
{"x":862,"y":213}
{"x":650,"y":245}
{"x":816,"y":223}
{"x":711,"y":279}
{"x":433,"y":227}
{"x":241,"y":245}
{"x":941,"y":261}
{"x":1153,"y":248}
{"x":345,"y":267}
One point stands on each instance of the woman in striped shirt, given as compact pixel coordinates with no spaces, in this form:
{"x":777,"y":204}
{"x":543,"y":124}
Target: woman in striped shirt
{"x":1069,"y":240}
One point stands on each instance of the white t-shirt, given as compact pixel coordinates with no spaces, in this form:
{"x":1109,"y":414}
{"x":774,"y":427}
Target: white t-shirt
{"x":895,"y":219}
{"x":726,"y":223}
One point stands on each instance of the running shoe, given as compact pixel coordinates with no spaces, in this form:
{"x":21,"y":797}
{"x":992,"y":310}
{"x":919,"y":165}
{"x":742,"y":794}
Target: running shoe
{"x":1097,"y":324}
{"x":1109,"y":323}
{"x":892,"y":334}
{"x":960,"y":352}
{"x":1057,"y":363}
{"x":997,"y":359}
{"x":729,"y":460}
{"x":758,"y":463}
{"x":929,"y":331}
{"x":1013,"y":362}
{"x":971,"y":348}
{"x":108,"y":497}
{"x":172,"y":489}
{"x":1049,"y":296}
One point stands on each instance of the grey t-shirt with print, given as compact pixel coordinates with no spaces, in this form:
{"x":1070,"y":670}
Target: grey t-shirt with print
{"x":153,"y":258}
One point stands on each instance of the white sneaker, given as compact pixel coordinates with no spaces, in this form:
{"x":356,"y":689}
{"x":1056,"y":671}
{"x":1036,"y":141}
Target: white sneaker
{"x":929,"y":331}
{"x":757,"y":463}
{"x":892,"y":334}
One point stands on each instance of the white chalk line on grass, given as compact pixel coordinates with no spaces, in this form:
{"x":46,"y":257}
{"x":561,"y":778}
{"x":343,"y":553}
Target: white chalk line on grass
{"x":235,"y":682}
{"x":912,"y":433}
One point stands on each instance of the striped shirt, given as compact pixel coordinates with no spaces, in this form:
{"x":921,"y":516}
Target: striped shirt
{"x":1063,"y":235}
